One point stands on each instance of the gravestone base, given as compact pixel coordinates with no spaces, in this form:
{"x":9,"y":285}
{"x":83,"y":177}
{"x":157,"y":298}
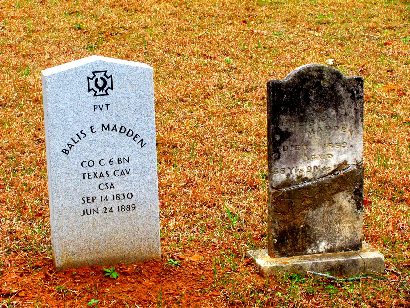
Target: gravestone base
{"x":349,"y":263}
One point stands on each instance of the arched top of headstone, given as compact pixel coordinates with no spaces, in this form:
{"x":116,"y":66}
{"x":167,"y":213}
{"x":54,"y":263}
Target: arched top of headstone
{"x":92,"y":59}
{"x":314,"y":86}
{"x":314,"y":70}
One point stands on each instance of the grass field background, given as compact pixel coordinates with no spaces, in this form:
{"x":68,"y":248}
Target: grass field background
{"x":211,"y":60}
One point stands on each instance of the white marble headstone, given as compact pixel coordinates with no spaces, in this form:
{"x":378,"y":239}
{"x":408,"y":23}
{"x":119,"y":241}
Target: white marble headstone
{"x":102,"y":163}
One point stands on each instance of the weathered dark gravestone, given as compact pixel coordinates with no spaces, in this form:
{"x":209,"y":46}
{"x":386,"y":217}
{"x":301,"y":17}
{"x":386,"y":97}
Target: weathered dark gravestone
{"x":315,"y":161}
{"x":102,"y":163}
{"x":315,"y":133}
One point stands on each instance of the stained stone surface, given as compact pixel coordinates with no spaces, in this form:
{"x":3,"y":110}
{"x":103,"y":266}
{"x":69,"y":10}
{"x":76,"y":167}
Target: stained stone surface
{"x":350,"y":263}
{"x":315,"y":133}
{"x":101,"y":161}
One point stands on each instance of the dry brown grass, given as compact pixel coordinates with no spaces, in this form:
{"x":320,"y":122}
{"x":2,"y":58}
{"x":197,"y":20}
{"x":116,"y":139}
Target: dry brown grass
{"x":212,"y":60}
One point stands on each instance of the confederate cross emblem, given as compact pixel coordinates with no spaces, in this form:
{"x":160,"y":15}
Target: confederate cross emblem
{"x":100,"y":83}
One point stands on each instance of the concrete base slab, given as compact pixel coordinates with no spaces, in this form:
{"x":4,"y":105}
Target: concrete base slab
{"x":350,"y":263}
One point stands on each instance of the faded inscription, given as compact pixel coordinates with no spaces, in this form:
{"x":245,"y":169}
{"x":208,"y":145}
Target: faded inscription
{"x":322,"y":143}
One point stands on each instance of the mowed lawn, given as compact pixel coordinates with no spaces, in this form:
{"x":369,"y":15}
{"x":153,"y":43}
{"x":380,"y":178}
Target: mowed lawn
{"x":211,"y":60}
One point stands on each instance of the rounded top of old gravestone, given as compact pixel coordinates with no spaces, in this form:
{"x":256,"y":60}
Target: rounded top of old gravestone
{"x":313,"y":69}
{"x":95,"y":58}
{"x":314,"y":88}
{"x":327,"y":75}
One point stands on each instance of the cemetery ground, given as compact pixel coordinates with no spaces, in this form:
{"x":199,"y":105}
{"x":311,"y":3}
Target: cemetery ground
{"x":211,"y":62}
